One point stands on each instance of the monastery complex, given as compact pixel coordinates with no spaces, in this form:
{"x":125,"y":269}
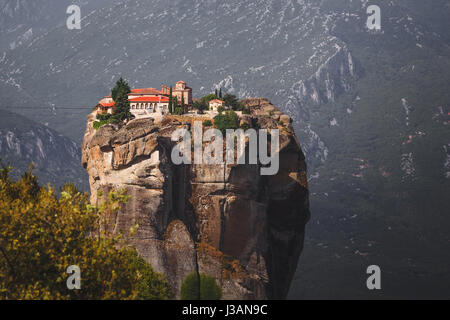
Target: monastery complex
{"x":154,"y":103}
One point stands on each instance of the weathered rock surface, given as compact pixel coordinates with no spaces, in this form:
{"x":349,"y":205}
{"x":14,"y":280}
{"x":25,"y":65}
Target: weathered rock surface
{"x":227,"y":221}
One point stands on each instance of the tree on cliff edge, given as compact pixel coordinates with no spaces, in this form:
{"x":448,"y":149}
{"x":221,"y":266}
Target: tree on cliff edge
{"x":122,"y":105}
{"x":121,"y":88}
{"x":182,"y":103}
{"x":170,"y":100}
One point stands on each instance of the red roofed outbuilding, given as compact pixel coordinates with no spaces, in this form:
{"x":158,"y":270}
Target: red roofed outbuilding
{"x":215,"y":104}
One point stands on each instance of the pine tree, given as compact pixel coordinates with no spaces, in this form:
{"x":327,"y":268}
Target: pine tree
{"x":182,"y":103}
{"x":215,"y":92}
{"x":122,"y":109}
{"x":220,"y":93}
{"x":120,"y":88}
{"x":174,"y":104}
{"x":121,"y":103}
{"x":171,"y":108}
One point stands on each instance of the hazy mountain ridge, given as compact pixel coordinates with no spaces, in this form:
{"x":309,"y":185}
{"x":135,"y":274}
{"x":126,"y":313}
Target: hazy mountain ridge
{"x":56,"y":158}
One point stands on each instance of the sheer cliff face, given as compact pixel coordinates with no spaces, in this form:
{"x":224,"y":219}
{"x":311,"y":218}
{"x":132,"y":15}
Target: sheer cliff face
{"x":227,"y":221}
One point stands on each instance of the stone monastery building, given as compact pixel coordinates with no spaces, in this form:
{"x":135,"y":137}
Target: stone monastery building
{"x":150,"y":102}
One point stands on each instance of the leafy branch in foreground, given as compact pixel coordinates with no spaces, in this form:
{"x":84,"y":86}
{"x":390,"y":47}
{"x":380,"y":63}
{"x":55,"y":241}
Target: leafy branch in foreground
{"x":42,"y":234}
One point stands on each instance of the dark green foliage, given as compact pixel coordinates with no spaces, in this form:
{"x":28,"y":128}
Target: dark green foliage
{"x":245,"y":126}
{"x":232,"y":102}
{"x":220,"y":93}
{"x":121,"y":88}
{"x":200,"y":106}
{"x":104,"y":118}
{"x":171,"y":108}
{"x":122,"y":109}
{"x":208,"y":289}
{"x":207,"y":123}
{"x":98,"y":124}
{"x":227,"y":120}
{"x":206,"y":99}
{"x":122,"y":106}
{"x":179,"y":110}
{"x":177,"y":107}
{"x":182,"y":102}
{"x":190,"y":290}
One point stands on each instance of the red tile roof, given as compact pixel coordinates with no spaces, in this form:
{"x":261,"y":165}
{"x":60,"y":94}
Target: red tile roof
{"x":217,"y":101}
{"x":146,"y":91}
{"x":107,"y":105}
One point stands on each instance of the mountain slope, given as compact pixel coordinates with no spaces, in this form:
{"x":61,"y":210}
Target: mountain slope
{"x":56,"y":158}
{"x":380,"y":195}
{"x":370,"y":110}
{"x":254,"y":49}
{"x":21,"y":21}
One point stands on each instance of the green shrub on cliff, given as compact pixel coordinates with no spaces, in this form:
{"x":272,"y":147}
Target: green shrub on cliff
{"x":207,"y":289}
{"x":190,"y":289}
{"x":206,"y":99}
{"x":232,"y":102}
{"x":102,"y":119}
{"x":41,"y":235}
{"x":179,"y":110}
{"x":227,"y":120}
{"x":200,"y":105}
{"x":207,"y":123}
